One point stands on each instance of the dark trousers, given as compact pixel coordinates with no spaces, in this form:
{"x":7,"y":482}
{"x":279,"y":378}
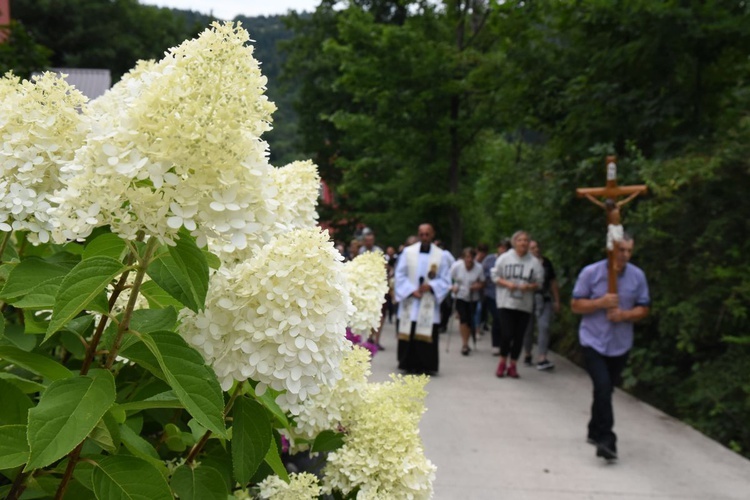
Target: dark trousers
{"x":513,"y":325}
{"x":417,"y":355}
{"x":605,"y":373}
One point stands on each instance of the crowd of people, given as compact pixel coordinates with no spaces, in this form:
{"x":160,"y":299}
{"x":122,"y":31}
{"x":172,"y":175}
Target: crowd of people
{"x":508,"y":292}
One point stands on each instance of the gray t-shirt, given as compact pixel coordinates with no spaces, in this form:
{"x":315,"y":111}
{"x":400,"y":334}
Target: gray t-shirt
{"x":511,"y":267}
{"x":464,"y":278}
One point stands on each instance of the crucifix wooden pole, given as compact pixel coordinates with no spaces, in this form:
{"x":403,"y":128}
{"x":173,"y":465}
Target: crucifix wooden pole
{"x":610,"y":193}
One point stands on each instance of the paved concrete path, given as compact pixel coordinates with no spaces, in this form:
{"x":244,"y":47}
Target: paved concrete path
{"x":509,"y":439}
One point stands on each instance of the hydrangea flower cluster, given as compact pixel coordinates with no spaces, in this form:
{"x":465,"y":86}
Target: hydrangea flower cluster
{"x":382,"y":454}
{"x":302,"y":486}
{"x":277,"y":318}
{"x":175,"y":144}
{"x":40,"y":128}
{"x":298,"y":186}
{"x":334,"y":404}
{"x":368,"y":284}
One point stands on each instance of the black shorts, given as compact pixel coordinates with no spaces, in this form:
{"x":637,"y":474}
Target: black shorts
{"x":466,"y":311}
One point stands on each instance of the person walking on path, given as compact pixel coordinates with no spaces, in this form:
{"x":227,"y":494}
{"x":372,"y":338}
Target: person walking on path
{"x":606,"y":334}
{"x":546,"y":305}
{"x":517,"y":274}
{"x":468,"y":282}
{"x":480,"y":317}
{"x":490,"y":299}
{"x":422,"y":282}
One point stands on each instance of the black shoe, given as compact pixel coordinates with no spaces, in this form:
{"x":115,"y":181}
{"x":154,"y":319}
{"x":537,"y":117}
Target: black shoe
{"x":606,"y":451}
{"x":527,"y":361}
{"x":466,"y":350}
{"x":545,"y":365}
{"x":381,"y":348}
{"x":590,"y":440}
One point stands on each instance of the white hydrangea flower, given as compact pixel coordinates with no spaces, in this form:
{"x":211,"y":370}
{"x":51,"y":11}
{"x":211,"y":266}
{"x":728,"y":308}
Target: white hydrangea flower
{"x":40,"y":128}
{"x":175,"y":144}
{"x":368,"y":283}
{"x":334,"y":405}
{"x":278,"y":318}
{"x":382,"y":453}
{"x":302,"y":486}
{"x":298,"y":186}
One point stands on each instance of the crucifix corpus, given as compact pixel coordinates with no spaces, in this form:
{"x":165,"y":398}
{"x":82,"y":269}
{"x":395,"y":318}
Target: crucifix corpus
{"x":610,"y":193}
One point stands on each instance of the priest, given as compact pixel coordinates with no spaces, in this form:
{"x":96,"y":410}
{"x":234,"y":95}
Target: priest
{"x":422,"y":281}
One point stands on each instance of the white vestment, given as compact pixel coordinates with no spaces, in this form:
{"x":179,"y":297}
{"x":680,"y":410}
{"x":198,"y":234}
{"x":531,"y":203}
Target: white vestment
{"x":412,"y":269}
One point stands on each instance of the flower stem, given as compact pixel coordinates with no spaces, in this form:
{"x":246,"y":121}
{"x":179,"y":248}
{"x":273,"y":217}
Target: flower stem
{"x":198,"y":447}
{"x":125,"y":323}
{"x":6,"y":239}
{"x":19,"y":485}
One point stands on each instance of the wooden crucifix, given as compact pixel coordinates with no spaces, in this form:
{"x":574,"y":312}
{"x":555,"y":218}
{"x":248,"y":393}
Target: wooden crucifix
{"x":610,"y":193}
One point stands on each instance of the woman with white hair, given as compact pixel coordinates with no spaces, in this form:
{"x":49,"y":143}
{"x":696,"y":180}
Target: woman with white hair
{"x":517,"y":274}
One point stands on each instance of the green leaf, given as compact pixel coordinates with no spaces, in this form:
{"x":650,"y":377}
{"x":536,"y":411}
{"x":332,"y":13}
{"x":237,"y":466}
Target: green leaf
{"x":67,"y":412}
{"x":9,"y":253}
{"x":14,"y":449}
{"x":26,"y":386}
{"x":81,"y":286}
{"x":251,"y":438}
{"x":162,"y":400}
{"x":183,"y":273}
{"x":122,"y":477}
{"x":141,"y":448}
{"x":268,"y":399}
{"x":327,"y":441}
{"x":273,"y":459}
{"x":2,"y":325}
{"x":199,"y":483}
{"x":143,"y":321}
{"x":14,"y":405}
{"x":35,"y":363}
{"x":157,"y":297}
{"x":29,"y":273}
{"x":141,"y":354}
{"x":41,"y":296}
{"x":80,"y":326}
{"x":14,"y":336}
{"x":213,"y":261}
{"x":73,"y":247}
{"x":35,"y":323}
{"x":73,"y":344}
{"x":194,"y":383}
{"x":107,"y":245}
{"x":106,"y":434}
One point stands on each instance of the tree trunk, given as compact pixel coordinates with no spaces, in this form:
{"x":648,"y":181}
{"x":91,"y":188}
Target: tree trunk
{"x":456,"y":221}
{"x":454,"y":176}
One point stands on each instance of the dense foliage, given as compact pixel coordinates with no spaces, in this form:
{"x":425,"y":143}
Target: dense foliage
{"x":535,"y":94}
{"x":173,"y":320}
{"x":544,"y":90}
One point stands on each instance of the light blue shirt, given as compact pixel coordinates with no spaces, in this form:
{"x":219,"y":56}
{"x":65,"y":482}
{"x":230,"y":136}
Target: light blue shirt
{"x":596,"y":331}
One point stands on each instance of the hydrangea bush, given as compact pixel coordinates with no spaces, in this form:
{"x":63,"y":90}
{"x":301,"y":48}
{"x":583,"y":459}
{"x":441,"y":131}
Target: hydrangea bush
{"x":171,"y":313}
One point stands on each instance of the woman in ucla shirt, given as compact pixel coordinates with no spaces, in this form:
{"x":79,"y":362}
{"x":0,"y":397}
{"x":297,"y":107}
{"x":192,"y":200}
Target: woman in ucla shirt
{"x":517,"y":274}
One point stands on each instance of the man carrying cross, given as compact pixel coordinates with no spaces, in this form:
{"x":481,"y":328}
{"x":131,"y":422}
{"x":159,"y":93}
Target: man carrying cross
{"x":611,"y":294}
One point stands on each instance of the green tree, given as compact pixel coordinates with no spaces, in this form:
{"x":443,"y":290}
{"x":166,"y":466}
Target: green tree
{"x":111,"y":35}
{"x":20,"y":52}
{"x":409,"y":89}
